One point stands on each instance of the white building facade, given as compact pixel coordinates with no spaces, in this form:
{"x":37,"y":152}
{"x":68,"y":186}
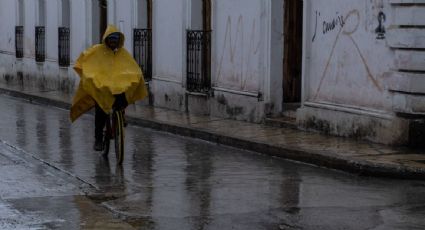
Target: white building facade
{"x":350,"y":68}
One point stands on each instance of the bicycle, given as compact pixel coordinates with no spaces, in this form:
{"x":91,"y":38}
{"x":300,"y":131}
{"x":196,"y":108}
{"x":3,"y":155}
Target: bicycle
{"x":114,"y":129}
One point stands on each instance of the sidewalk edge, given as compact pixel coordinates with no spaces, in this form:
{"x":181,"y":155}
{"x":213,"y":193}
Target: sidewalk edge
{"x":350,"y":165}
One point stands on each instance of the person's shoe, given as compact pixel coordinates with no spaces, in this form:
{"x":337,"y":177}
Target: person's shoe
{"x":98,"y":145}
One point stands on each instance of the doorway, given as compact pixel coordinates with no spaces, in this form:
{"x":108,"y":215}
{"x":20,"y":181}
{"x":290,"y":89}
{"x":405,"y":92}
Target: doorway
{"x":292,"y":58}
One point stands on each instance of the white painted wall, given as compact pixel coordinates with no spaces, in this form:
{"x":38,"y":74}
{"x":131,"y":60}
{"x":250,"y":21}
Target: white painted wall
{"x":347,"y":64}
{"x":65,"y":11}
{"x":41,"y":12}
{"x":20,"y":12}
{"x":124,"y":21}
{"x":141,"y":14}
{"x":8,"y":21}
{"x":240,"y":44}
{"x":95,"y":20}
{"x":80,"y":37}
{"x":29,"y":30}
{"x":275,"y":88}
{"x":168,"y":39}
{"x":196,"y":15}
{"x":51,"y":25}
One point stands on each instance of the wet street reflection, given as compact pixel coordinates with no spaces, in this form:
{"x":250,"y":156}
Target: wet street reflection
{"x":172,"y":182}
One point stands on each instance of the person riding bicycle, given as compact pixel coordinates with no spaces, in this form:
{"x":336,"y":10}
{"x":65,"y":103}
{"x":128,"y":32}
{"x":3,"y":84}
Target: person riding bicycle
{"x":109,"y":78}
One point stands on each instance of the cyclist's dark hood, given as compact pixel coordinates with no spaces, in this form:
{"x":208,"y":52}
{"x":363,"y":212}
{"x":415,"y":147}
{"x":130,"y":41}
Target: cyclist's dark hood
{"x":105,"y":73}
{"x":112,"y":30}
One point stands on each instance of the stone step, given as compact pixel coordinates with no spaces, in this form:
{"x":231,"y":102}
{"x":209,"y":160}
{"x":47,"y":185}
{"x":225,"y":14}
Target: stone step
{"x":290,"y":110}
{"x":282,"y":122}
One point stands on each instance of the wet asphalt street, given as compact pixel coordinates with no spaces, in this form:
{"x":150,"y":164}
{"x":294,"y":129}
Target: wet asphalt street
{"x":52,"y":179}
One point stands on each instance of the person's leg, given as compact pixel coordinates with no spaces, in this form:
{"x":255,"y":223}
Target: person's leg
{"x":100,"y":121}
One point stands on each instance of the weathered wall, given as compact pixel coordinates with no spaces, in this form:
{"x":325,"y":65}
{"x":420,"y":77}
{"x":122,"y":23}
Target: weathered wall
{"x":407,"y":38}
{"x":274,"y":87}
{"x":8,"y":20}
{"x":168,"y":48}
{"x":346,"y":60}
{"x":245,"y":41}
{"x":358,"y":81}
{"x":125,"y":20}
{"x":240,"y":41}
{"x":25,"y":71}
{"x":80,"y":38}
{"x":241,"y":58}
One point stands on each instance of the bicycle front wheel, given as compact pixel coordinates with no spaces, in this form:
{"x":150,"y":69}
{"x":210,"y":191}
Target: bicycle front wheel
{"x":107,"y":133}
{"x":119,"y":136}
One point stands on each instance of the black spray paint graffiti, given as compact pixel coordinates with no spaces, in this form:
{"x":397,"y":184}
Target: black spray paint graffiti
{"x":355,"y":16}
{"x":328,"y":26}
{"x":315,"y":28}
{"x":380,"y":31}
{"x":333,"y":24}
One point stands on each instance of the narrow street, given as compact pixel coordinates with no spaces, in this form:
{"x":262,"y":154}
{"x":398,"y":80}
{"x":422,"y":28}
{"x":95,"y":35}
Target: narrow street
{"x":52,"y":179}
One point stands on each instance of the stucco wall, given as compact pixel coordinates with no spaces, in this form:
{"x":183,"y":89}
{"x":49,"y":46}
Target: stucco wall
{"x":168,"y":50}
{"x":26,"y":72}
{"x":125,"y":21}
{"x":7,"y":36}
{"x":240,"y":44}
{"x":169,"y":36}
{"x":346,"y":62}
{"x":241,"y":59}
{"x":360,"y":83}
{"x":78,"y":28}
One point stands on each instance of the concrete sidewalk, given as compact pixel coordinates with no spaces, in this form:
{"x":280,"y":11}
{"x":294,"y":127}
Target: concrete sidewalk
{"x":332,"y":152}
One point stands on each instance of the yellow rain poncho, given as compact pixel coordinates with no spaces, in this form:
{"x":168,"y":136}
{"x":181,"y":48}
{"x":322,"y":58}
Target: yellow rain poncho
{"x":105,"y":73}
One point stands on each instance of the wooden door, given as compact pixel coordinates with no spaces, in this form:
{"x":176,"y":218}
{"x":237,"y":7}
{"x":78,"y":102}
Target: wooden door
{"x":292,"y":62}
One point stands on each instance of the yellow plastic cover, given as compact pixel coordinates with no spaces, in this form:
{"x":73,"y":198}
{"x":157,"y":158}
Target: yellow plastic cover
{"x":105,"y":73}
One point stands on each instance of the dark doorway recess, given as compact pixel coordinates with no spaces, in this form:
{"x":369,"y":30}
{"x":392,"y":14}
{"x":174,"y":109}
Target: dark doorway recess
{"x":292,"y":61}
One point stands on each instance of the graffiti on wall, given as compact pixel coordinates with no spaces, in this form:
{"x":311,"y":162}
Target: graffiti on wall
{"x":328,"y":25}
{"x":240,"y":56}
{"x":354,"y":18}
{"x":380,"y":30}
{"x":333,"y":23}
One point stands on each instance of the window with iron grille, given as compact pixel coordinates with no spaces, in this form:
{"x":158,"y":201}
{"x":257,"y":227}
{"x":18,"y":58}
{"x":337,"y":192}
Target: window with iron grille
{"x":19,"y":41}
{"x":40,"y":51}
{"x":63,"y":44}
{"x":198,"y":61}
{"x":142,"y":51}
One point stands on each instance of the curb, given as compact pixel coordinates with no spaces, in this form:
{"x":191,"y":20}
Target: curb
{"x":317,"y":158}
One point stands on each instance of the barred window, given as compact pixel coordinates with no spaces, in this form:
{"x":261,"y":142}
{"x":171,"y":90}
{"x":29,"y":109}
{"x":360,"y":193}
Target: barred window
{"x":198,"y":61}
{"x":40,"y":49}
{"x":64,"y":47}
{"x":142,"y":51}
{"x":19,"y":41}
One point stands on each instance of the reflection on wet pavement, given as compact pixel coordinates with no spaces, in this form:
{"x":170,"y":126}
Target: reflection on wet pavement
{"x":171,"y":182}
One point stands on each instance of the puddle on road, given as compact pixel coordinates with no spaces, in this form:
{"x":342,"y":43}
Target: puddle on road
{"x":69,"y":212}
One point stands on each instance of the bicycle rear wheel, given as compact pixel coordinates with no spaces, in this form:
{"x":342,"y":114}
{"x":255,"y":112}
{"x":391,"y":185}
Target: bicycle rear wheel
{"x":119,"y":136}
